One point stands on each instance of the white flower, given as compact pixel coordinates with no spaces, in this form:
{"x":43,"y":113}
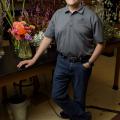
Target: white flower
{"x":38,"y":38}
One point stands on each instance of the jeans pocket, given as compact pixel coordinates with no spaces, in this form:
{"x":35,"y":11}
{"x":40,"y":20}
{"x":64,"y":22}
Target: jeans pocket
{"x":84,"y":68}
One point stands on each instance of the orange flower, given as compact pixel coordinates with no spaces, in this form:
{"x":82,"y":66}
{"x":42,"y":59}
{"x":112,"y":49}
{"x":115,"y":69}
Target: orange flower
{"x":20,"y":28}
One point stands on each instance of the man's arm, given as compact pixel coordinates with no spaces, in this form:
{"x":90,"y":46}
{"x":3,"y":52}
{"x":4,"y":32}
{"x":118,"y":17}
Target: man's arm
{"x":98,"y":50}
{"x":43,"y":46}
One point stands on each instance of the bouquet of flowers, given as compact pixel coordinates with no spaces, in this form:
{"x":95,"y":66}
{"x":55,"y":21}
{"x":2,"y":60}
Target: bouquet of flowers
{"x":21,"y":30}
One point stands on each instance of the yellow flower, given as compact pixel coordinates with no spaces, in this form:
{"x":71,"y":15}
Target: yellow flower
{"x":32,"y":26}
{"x":23,"y":22}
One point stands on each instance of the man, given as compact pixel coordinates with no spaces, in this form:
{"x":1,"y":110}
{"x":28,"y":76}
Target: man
{"x":79,"y":38}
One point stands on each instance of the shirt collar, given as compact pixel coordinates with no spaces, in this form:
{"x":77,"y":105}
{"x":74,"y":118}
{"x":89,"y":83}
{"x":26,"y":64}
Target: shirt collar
{"x":80,"y":10}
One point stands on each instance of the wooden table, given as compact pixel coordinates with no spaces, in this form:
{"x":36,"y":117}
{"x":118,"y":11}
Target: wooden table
{"x":9,"y":72}
{"x":115,"y":43}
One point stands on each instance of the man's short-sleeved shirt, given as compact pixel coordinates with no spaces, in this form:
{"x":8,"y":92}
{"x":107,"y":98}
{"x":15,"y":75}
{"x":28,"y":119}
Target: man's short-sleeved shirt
{"x":75,"y":33}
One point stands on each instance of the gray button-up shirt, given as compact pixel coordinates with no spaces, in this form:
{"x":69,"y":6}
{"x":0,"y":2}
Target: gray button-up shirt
{"x":75,"y":33}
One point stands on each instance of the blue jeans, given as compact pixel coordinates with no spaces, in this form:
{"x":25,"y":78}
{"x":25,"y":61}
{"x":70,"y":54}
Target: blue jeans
{"x":66,"y":72}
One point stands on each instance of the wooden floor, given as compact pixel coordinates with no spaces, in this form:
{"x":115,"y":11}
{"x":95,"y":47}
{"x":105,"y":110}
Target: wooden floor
{"x":117,"y":117}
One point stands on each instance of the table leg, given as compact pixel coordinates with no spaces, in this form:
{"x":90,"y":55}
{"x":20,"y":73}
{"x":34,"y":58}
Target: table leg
{"x":36,"y":85}
{"x":4,"y":95}
{"x":117,"y":69}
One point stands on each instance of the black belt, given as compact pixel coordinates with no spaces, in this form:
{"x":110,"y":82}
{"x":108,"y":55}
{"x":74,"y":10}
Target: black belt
{"x":81,"y":59}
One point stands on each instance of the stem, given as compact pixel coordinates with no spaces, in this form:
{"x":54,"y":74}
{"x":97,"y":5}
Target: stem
{"x":8,"y":21}
{"x":13,"y":9}
{"x":23,"y":6}
{"x":7,"y":11}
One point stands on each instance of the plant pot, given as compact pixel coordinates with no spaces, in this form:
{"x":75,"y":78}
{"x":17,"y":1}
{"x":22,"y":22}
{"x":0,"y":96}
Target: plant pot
{"x":17,"y":107}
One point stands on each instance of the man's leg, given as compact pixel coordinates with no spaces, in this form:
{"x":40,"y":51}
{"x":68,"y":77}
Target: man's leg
{"x":79,"y":81}
{"x":60,"y":83}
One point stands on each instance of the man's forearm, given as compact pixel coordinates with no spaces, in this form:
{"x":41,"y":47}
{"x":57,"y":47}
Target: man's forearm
{"x":98,"y":50}
{"x":43,"y":46}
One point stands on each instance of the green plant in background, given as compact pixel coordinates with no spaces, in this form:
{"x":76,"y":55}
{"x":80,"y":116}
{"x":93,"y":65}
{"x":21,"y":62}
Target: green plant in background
{"x":1,"y":21}
{"x":8,"y":10}
{"x":1,"y":31}
{"x":108,"y":12}
{"x":106,"y":9}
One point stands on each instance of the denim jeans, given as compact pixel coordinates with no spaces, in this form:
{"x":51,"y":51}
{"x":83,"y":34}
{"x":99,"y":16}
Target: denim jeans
{"x":66,"y":72}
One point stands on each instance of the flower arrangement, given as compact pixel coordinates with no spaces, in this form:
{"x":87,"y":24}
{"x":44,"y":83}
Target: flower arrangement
{"x":21,"y":30}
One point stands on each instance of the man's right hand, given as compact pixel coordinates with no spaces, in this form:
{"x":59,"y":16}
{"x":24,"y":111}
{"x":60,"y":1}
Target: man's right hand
{"x":26,"y":63}
{"x":43,"y":46}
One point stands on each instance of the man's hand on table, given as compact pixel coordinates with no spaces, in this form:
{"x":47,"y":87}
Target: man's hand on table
{"x":26,"y":63}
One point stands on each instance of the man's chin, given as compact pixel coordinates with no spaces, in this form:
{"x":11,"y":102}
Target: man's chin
{"x":73,"y":5}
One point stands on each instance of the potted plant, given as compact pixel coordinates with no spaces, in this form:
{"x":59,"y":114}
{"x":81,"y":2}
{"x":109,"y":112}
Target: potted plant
{"x":18,"y":104}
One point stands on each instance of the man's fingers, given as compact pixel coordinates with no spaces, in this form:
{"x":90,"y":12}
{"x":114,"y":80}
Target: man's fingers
{"x":26,"y":66}
{"x":21,"y":64}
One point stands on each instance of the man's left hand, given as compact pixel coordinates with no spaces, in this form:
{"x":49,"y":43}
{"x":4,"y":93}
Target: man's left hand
{"x":86,"y":65}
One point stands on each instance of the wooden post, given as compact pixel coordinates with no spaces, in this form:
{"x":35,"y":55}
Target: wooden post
{"x":117,"y":68}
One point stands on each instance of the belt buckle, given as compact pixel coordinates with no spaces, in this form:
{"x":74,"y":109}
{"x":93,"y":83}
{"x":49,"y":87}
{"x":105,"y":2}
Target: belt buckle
{"x":74,"y":59}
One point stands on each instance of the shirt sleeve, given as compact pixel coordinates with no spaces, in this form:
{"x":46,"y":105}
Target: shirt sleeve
{"x":98,"y":30}
{"x":50,"y":31}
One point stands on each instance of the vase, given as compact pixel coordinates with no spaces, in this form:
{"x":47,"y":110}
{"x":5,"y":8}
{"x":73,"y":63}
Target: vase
{"x":16,"y":45}
{"x":24,"y":50}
